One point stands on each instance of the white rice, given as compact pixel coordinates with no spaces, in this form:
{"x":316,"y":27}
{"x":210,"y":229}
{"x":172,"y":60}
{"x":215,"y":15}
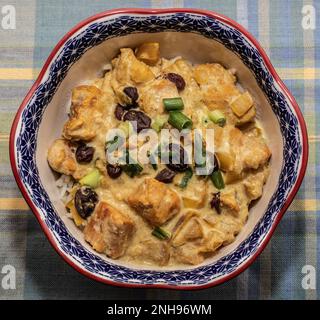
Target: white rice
{"x":65,"y":184}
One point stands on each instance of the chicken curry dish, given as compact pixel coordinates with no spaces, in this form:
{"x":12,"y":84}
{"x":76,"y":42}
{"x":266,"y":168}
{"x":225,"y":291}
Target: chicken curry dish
{"x":160,"y":214}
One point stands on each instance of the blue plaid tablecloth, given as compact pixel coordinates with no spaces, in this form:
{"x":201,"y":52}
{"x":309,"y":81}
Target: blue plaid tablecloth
{"x":294,"y":51}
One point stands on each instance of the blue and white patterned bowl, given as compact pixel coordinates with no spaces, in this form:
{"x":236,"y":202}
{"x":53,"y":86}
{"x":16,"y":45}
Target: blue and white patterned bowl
{"x":200,"y":36}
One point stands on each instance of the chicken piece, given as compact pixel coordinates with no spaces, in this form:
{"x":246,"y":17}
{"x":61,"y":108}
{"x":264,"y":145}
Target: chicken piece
{"x":194,"y":197}
{"x":151,"y":96}
{"x":252,"y":130}
{"x":254,"y":152}
{"x":247,"y":117}
{"x":237,"y":152}
{"x":228,"y":199}
{"x":128,"y":71}
{"x":191,"y":94}
{"x":229,"y":226}
{"x":213,"y":241}
{"x":213,"y":73}
{"x":192,"y":236}
{"x":98,"y":83}
{"x":189,"y":253}
{"x":87,"y":108}
{"x":241,"y":104}
{"x":231,"y":117}
{"x":189,"y":229}
{"x":254,"y":183}
{"x":152,"y":251}
{"x":181,"y":67}
{"x":62,"y":159}
{"x":149,"y":53}
{"x":219,"y":91}
{"x":109,"y":230}
{"x":155,"y":201}
{"x":128,"y":68}
{"x":216,"y":83}
{"x":106,"y":87}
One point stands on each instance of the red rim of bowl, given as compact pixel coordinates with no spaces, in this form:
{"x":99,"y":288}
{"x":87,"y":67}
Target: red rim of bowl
{"x":293,"y":102}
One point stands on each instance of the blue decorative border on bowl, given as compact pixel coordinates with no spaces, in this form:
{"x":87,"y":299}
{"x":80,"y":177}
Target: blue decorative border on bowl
{"x":93,"y":35}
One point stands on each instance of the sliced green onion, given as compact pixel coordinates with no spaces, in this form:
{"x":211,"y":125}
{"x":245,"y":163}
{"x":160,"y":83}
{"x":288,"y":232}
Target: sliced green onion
{"x":217,"y":117}
{"x":171,"y":104}
{"x":161,"y":233}
{"x":180,"y":121}
{"x":132,"y":169}
{"x":159,"y":150}
{"x":112,"y":145}
{"x":159,"y":122}
{"x":203,"y":161}
{"x":217,"y":179}
{"x":185,"y":179}
{"x":151,"y":157}
{"x":92,"y":179}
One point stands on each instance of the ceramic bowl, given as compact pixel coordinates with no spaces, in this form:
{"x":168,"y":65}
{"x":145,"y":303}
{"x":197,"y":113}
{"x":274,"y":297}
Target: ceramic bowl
{"x":200,"y":36}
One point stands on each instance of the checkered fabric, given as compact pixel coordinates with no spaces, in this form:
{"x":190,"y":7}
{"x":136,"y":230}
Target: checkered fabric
{"x":294,"y":51}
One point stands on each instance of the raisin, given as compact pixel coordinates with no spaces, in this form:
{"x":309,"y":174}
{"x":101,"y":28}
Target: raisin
{"x":114,"y":171}
{"x":215,"y":202}
{"x":141,"y":119}
{"x":216,"y":164}
{"x":165,"y":176}
{"x":177,"y":160}
{"x":132,"y":93}
{"x":84,"y":154}
{"x":177,"y":80}
{"x":85,"y":201}
{"x":119,"y":112}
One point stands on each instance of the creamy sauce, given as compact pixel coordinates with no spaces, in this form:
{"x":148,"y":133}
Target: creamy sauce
{"x":197,"y":230}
